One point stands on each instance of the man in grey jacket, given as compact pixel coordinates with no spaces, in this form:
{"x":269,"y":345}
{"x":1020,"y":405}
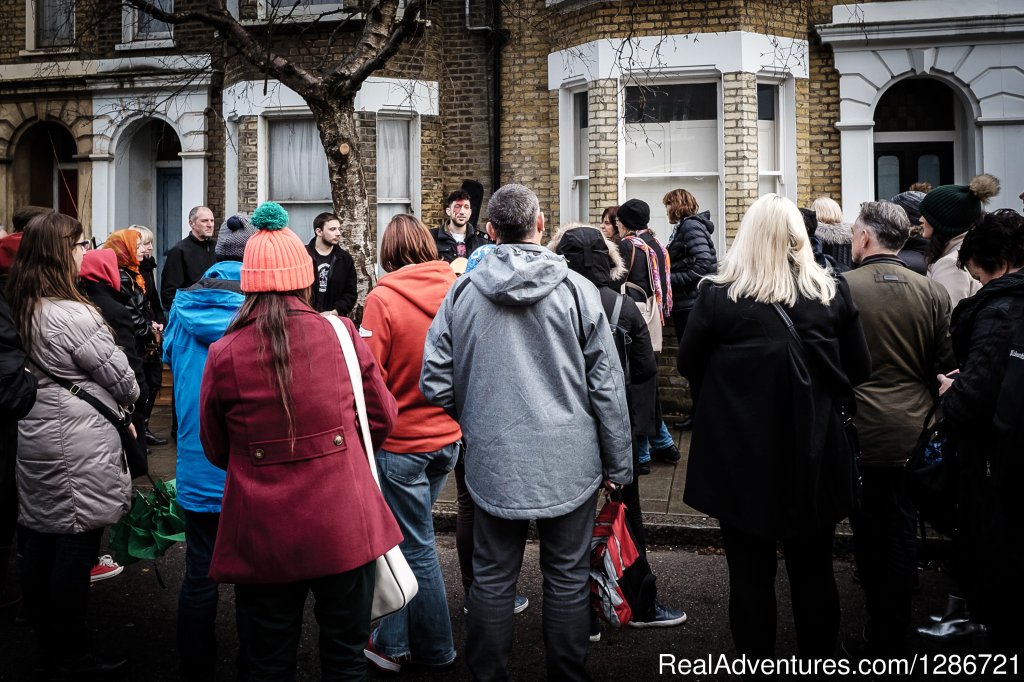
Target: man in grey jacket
{"x":536,"y":360}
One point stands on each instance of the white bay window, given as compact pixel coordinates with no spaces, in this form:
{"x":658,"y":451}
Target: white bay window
{"x":297,"y":172}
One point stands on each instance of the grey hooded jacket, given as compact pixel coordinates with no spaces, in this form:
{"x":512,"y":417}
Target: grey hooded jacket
{"x":549,"y":419}
{"x":71,"y":475}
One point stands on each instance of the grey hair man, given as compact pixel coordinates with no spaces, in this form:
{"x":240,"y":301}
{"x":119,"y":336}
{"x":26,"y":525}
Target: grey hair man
{"x":906,"y":321}
{"x":186,"y":261}
{"x":535,"y":382}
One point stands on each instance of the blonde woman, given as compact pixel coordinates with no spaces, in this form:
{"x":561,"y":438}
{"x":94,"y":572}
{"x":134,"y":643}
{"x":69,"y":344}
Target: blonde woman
{"x":770,"y":460}
{"x":834,"y":234}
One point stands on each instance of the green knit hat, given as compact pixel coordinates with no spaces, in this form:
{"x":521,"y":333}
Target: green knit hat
{"x":952,"y":209}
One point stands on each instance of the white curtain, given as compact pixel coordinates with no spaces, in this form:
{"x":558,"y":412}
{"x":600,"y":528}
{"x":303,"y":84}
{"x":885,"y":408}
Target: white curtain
{"x":298,"y":164}
{"x":393,"y":159}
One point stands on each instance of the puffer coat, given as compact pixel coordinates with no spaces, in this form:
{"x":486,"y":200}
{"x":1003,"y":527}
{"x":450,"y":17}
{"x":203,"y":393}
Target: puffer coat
{"x":692,"y":253}
{"x":71,"y":474}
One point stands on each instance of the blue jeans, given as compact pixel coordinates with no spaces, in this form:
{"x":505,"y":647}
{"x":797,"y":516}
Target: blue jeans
{"x":659,"y":442}
{"x":411,"y":484}
{"x":565,"y":565}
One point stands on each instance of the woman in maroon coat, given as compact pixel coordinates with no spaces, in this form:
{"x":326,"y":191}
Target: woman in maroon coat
{"x":301,"y":511}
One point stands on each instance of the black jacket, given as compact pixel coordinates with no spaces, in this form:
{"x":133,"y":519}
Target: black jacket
{"x":447,"y":246}
{"x":116,"y":311}
{"x":184,"y":265}
{"x":135,"y":301}
{"x":341,"y":281}
{"x":768,"y":454}
{"x":693,"y":255}
{"x":17,"y":395}
{"x":914,"y":255}
{"x":154,"y":308}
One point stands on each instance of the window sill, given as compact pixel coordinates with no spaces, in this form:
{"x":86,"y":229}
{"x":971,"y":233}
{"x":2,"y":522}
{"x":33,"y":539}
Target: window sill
{"x":46,"y":51}
{"x":159,"y":44}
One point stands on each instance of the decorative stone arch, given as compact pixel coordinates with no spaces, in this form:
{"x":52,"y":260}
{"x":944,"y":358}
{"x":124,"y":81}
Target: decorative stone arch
{"x":878,"y":45}
{"x":19,"y":118}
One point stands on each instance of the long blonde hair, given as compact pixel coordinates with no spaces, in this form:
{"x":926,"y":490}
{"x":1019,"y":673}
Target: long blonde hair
{"x":771,"y":259}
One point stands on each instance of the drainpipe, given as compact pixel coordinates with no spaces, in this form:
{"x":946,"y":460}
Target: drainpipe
{"x":496,"y":39}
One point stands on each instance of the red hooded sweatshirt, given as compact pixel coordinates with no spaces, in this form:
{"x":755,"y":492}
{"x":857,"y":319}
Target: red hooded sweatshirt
{"x":9,"y":246}
{"x":100,"y":265}
{"x":395,"y":321}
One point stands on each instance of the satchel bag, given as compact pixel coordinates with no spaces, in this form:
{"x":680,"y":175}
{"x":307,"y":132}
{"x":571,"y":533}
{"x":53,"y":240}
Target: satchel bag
{"x":929,"y":476}
{"x":649,"y":310}
{"x":395,"y":584}
{"x":136,"y":462}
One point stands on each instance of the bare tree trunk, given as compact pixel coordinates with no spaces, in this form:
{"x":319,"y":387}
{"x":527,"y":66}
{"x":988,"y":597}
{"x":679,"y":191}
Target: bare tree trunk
{"x":335,"y":118}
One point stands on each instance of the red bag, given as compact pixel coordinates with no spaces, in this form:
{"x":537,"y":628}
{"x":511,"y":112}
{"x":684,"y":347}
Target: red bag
{"x":611,"y":552}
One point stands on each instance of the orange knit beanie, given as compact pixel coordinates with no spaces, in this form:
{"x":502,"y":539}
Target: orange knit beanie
{"x":275,"y":259}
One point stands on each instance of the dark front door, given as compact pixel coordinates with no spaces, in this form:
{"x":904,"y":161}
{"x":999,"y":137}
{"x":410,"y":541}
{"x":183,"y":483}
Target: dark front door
{"x":168,"y":211}
{"x":898,"y":165}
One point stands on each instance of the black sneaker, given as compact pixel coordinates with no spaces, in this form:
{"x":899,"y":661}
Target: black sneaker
{"x":669,"y":454}
{"x":153,"y":439}
{"x":643,"y":468}
{"x":661,"y":618}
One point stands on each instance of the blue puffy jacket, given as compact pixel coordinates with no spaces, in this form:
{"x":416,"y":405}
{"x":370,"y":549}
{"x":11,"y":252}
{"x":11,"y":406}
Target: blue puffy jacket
{"x":199,"y":316}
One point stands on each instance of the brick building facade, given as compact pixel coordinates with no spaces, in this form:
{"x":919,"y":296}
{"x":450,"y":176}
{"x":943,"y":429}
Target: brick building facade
{"x":589,"y":102}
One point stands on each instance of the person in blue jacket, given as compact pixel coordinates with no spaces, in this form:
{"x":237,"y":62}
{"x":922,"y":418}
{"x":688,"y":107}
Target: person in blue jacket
{"x":198,"y":317}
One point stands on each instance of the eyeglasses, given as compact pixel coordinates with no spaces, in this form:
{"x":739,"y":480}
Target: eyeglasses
{"x":85,"y":244}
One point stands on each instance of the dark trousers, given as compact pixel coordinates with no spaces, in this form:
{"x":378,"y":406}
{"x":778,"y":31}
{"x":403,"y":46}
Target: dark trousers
{"x":565,"y":565}
{"x":752,"y":609}
{"x":197,"y":603}
{"x":680,"y":317}
{"x":464,"y":523}
{"x":273,"y":617}
{"x":154,"y":371}
{"x":55,"y":586}
{"x":631,"y":498}
{"x":885,"y":546}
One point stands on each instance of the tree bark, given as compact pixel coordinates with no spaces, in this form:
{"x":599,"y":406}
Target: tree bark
{"x":335,"y":118}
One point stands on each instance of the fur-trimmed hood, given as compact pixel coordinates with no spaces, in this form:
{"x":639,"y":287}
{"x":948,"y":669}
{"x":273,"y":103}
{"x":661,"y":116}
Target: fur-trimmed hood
{"x":834,"y":233}
{"x":599,"y":271}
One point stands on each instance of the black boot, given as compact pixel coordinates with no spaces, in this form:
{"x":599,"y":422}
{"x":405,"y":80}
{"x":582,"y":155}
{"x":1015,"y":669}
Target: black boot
{"x":152,"y":439}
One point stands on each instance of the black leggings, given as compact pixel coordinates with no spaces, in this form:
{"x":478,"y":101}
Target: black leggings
{"x":752,"y":609}
{"x":464,"y":523}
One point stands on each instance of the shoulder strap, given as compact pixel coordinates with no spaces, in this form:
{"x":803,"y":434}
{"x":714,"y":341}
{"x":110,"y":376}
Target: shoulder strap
{"x":616,"y":310}
{"x":348,"y":349}
{"x":79,"y":392}
{"x":459,"y":286}
{"x":579,"y":311}
{"x":790,"y":327}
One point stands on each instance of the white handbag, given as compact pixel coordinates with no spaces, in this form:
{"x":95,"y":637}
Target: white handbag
{"x":395,"y":584}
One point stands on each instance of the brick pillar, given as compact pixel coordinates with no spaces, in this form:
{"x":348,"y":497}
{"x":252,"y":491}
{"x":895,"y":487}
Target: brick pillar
{"x":740,"y":104}
{"x":248,"y":163}
{"x":603,"y":120}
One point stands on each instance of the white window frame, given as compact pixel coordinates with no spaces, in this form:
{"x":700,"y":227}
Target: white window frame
{"x":785,"y":134}
{"x":132,"y":40}
{"x":414,"y":200}
{"x":32,"y":45}
{"x":265,"y":10}
{"x":718,"y":174}
{"x":263,"y":158}
{"x":580,"y":176}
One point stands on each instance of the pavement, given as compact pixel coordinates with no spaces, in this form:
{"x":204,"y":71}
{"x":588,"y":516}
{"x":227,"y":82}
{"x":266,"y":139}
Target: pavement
{"x":133,"y":615}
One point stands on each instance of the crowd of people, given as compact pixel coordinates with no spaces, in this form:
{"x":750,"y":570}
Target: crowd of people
{"x":524,"y":359}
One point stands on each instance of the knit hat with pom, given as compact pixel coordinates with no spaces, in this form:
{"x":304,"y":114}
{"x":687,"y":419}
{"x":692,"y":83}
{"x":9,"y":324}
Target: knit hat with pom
{"x":275,"y":259}
{"x":951,"y":209}
{"x":234,"y":234}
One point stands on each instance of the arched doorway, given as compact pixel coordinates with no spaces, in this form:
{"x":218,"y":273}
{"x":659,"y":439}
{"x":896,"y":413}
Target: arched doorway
{"x":45,"y":156}
{"x":148,"y":182}
{"x":918,"y":135}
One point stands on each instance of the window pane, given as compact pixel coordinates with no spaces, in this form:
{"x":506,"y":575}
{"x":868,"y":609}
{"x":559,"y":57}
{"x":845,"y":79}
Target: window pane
{"x":385,"y":212}
{"x":582,"y":193}
{"x":393,"y":159}
{"x":149,"y":27}
{"x":766,"y":93}
{"x":928,"y":169}
{"x":55,"y":22}
{"x":888,"y":173}
{"x":767,"y":184}
{"x":664,"y":103}
{"x":677,"y":146}
{"x":580,"y":136}
{"x":767,"y":146}
{"x":298,"y":164}
{"x":652,"y":190}
{"x":300,"y":217}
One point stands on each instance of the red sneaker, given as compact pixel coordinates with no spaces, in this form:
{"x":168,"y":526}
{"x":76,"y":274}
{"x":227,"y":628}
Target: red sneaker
{"x":105,"y":568}
{"x":391,"y":664}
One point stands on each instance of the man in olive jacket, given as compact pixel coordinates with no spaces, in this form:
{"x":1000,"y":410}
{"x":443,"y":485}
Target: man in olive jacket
{"x":906,"y":322}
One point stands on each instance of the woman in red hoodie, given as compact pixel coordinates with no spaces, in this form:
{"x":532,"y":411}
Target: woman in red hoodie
{"x":424,"y":444}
